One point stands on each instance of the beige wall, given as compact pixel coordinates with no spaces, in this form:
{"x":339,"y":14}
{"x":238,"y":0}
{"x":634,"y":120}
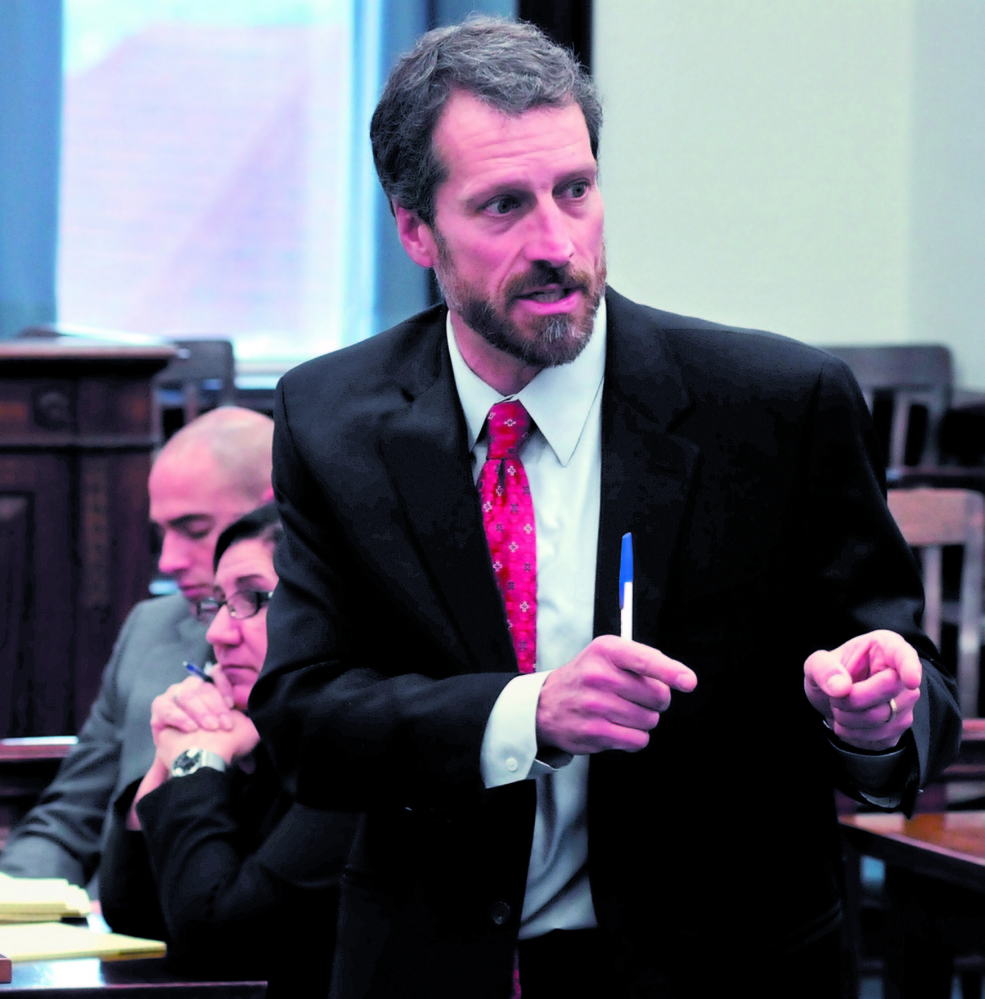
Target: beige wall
{"x":766,"y":163}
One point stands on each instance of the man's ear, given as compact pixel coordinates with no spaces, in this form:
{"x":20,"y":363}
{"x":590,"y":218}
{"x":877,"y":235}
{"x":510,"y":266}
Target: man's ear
{"x":416,"y":237}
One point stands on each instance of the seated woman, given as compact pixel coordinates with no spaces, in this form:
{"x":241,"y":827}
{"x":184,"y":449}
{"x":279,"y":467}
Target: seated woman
{"x":217,"y":859}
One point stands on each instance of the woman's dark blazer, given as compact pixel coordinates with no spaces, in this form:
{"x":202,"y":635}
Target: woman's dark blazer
{"x":241,"y":882}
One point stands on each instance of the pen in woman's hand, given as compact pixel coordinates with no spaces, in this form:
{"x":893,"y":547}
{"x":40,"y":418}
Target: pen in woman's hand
{"x":197,"y":670}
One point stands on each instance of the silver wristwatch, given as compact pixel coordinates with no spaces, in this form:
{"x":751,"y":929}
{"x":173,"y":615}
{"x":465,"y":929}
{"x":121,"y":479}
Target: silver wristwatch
{"x":194,"y":759}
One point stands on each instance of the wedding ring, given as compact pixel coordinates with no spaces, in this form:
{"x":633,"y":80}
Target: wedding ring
{"x":892,"y":710}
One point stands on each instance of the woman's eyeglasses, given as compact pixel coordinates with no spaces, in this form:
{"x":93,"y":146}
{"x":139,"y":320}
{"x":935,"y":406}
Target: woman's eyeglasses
{"x":241,"y":605}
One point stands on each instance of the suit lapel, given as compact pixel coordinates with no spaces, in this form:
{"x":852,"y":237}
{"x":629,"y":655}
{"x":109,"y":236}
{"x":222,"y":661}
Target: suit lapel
{"x":424,"y":447}
{"x":646,"y":469}
{"x":647,"y":472}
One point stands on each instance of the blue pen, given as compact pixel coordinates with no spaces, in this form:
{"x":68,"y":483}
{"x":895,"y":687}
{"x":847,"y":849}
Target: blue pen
{"x":197,"y":670}
{"x":626,"y":587}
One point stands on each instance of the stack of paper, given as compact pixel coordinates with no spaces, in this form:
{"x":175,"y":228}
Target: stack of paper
{"x":32,"y":900}
{"x":53,"y":941}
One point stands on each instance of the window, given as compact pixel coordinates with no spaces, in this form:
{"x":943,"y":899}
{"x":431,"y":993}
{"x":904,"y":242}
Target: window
{"x":207,"y":179}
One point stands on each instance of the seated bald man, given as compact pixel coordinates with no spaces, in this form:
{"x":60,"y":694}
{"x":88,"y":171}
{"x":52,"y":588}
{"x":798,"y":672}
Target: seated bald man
{"x":209,"y":474}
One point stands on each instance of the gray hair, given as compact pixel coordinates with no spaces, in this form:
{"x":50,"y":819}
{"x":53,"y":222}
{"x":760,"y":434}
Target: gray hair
{"x":512,"y":66}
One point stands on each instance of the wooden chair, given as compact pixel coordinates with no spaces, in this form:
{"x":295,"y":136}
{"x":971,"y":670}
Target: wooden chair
{"x":930,"y":519}
{"x":909,"y":379}
{"x":201,"y":377}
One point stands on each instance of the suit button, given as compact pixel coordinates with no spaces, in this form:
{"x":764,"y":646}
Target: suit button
{"x":499,"y":912}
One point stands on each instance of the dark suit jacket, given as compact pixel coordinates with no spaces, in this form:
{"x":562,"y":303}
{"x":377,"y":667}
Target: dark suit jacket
{"x":239,"y":880}
{"x":744,"y":464}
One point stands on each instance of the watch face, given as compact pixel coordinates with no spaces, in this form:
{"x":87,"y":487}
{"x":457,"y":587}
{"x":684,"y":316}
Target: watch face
{"x":192,"y":760}
{"x":187,"y":763}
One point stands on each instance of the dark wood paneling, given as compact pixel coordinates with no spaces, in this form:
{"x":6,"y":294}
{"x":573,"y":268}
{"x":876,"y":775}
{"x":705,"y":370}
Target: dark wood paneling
{"x":14,"y":532}
{"x":41,"y":696}
{"x":76,"y":434}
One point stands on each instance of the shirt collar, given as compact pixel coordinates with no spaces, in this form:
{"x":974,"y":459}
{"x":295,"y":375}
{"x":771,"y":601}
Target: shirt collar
{"x":558,"y":399}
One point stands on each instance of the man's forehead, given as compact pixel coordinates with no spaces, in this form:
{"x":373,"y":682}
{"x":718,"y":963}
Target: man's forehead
{"x":467,"y":122}
{"x":192,"y":478}
{"x":176,"y":501}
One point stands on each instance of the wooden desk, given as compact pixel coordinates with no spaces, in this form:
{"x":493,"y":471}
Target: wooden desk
{"x":90,"y":978}
{"x":27,"y":767}
{"x":935,"y":893}
{"x":949,"y":846}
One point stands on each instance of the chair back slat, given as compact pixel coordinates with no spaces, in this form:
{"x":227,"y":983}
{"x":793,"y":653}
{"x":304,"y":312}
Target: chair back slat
{"x":930,"y":519}
{"x":908,"y":376}
{"x":931,"y":562}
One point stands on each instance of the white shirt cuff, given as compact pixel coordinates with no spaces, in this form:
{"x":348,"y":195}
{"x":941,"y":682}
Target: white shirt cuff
{"x":509,"y":744}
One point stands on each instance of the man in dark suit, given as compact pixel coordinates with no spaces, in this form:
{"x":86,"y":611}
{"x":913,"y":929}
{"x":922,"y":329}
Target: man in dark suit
{"x":637,"y":817}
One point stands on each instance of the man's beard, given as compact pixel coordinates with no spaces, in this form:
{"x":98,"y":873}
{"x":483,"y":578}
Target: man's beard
{"x":549,"y":340}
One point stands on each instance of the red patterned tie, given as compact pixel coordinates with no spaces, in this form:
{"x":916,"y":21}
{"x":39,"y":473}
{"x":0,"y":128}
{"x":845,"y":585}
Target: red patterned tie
{"x":508,"y":515}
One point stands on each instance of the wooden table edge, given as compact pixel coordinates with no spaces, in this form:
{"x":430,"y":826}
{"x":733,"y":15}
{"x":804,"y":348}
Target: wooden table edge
{"x":895,"y":848}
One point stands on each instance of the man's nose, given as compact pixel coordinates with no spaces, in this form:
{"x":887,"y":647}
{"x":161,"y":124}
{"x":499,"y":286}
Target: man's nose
{"x":549,"y":236}
{"x":174,"y":554}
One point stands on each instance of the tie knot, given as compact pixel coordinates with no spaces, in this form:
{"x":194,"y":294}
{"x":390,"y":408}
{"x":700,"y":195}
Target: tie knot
{"x":509,"y":425}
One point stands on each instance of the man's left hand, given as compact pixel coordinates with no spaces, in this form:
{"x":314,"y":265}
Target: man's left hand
{"x":866,"y":689}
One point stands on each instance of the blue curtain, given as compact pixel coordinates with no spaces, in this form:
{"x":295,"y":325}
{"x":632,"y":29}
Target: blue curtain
{"x":401,"y":287}
{"x":30,"y":127}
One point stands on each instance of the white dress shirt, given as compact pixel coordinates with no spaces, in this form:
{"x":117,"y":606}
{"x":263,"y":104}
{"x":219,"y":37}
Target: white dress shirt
{"x":563,"y":462}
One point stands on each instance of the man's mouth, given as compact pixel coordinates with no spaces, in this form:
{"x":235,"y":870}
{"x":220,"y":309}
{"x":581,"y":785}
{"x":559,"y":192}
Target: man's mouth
{"x":554,"y":294}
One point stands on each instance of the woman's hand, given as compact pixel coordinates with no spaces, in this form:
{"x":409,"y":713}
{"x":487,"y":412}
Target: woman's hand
{"x":238,"y":740}
{"x":194,"y":704}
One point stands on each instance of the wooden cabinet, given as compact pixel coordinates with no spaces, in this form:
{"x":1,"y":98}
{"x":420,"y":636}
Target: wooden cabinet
{"x":77,"y":430}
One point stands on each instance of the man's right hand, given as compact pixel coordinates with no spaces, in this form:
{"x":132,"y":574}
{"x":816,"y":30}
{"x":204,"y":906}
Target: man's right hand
{"x":194,"y":704}
{"x":608,"y":697}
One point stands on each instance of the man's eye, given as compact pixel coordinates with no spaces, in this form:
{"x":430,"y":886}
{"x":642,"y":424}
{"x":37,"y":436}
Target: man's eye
{"x":194,"y":532}
{"x":503,"y":205}
{"x":579,"y":189}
